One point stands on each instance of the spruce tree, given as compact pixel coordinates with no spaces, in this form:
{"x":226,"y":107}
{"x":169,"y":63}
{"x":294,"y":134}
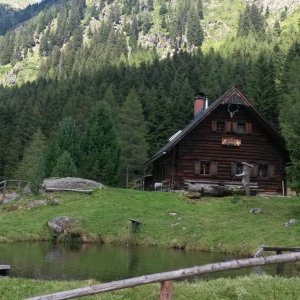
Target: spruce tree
{"x":101,"y":159}
{"x":65,"y":166}
{"x":33,"y":165}
{"x":194,"y":31}
{"x":251,"y":21}
{"x":65,"y":140}
{"x":289,"y":115}
{"x":133,"y":137}
{"x":261,"y":87}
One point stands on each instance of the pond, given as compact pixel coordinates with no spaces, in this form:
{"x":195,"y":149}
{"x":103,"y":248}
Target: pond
{"x":109,"y":262}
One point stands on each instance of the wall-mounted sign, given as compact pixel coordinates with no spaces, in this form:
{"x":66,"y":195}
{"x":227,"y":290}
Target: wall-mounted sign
{"x":231,"y":142}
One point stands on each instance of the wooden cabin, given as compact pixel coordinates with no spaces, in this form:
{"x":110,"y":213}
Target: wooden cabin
{"x":211,"y":149}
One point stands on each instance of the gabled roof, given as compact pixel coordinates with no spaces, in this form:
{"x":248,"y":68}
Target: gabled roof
{"x":233,"y":96}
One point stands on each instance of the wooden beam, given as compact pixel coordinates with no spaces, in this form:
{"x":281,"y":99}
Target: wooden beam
{"x":172,"y":275}
{"x":260,"y":251}
{"x":278,"y":248}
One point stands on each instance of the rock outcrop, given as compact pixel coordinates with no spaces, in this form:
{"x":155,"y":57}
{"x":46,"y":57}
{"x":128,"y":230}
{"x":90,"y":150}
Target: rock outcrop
{"x":276,"y":5}
{"x":71,"y":183}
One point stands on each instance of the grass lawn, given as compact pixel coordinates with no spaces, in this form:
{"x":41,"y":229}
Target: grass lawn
{"x":252,"y":287}
{"x":168,"y":220}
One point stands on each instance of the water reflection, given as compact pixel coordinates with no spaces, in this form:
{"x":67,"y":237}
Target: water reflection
{"x":108,"y":262}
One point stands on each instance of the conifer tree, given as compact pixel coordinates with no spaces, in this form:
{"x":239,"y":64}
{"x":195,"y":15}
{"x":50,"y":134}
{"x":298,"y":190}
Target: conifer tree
{"x":12,"y":157}
{"x":289,"y":115}
{"x":65,"y":140}
{"x":45,"y":43}
{"x":261,"y":87}
{"x":65,"y":166}
{"x":101,"y":159}
{"x":277,"y":28}
{"x":251,"y":21}
{"x":33,"y":165}
{"x":199,"y":8}
{"x":134,"y":33}
{"x":7,"y":45}
{"x":133,"y":137}
{"x":194,"y":31}
{"x":157,"y":19}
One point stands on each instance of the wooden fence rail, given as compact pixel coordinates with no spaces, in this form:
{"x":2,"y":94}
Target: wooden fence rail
{"x":10,"y":184}
{"x":278,"y":249}
{"x":166,"y":278}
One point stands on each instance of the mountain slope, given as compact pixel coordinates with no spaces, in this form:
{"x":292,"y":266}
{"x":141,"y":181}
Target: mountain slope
{"x":161,"y":26}
{"x":18,"y":3}
{"x":276,"y":5}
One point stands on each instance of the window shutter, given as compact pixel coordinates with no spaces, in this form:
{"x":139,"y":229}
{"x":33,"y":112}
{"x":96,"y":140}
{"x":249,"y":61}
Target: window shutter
{"x":227,"y":126}
{"x":248,"y":128}
{"x":214,"y":125}
{"x":234,"y":126}
{"x":233,"y":169}
{"x":254,"y":170}
{"x":197,"y":167}
{"x":271,"y":171}
{"x":213,"y":168}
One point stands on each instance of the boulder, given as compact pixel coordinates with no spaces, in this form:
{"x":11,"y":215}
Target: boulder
{"x":256,"y":210}
{"x":59,"y":225}
{"x":10,"y":197}
{"x":68,"y":230}
{"x":36,"y":203}
{"x":291,"y":222}
{"x":70,"y":183}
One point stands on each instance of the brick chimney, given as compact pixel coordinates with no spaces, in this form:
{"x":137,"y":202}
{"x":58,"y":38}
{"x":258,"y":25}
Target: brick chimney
{"x":199,"y":104}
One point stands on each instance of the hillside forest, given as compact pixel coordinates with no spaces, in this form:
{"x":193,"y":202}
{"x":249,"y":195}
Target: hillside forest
{"x":93,"y":88}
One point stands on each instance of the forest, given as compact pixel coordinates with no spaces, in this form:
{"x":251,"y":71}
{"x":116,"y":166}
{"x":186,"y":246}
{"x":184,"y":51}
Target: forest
{"x":116,"y":79}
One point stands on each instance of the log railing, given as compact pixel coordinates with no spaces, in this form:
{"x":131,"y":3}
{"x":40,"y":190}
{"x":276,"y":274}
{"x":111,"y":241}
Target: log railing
{"x":6,"y":185}
{"x":166,"y":278}
{"x":278,"y":249}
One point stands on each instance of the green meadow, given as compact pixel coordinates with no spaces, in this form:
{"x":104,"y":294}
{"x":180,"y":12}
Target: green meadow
{"x":168,"y":220}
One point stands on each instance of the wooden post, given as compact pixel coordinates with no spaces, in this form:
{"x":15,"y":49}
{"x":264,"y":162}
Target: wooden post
{"x":4,"y":189}
{"x":247,"y":188}
{"x":127,"y":177}
{"x":166,"y":288}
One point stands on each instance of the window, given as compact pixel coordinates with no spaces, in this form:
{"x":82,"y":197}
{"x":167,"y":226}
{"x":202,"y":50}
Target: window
{"x":209,"y":168}
{"x":204,"y":169}
{"x":262,"y":171}
{"x":241,"y":128}
{"x":236,"y":168}
{"x":259,"y":170}
{"x":220,"y":126}
{"x":231,"y":126}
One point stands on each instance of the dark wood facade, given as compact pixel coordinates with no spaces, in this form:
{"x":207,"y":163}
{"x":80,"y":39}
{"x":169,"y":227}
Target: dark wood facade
{"x":213,"y":146}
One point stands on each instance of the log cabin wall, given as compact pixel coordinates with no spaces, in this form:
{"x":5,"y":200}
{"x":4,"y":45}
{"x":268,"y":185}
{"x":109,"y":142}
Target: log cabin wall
{"x":214,"y":149}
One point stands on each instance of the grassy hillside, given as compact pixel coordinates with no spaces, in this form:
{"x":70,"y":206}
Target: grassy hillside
{"x":168,"y":220}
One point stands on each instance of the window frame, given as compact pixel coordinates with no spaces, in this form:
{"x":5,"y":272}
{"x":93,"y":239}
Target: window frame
{"x":212,"y":167}
{"x":231,"y":126}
